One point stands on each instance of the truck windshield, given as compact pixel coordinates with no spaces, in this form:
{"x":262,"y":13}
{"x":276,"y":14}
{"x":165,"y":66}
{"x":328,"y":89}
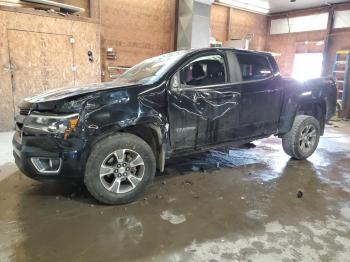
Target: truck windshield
{"x":151,"y":70}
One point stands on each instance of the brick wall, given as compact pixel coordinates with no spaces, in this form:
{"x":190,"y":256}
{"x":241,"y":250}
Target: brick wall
{"x":286,"y":46}
{"x":219,"y":22}
{"x":243,"y":23}
{"x":339,"y":40}
{"x":228,"y":23}
{"x":136,"y":30}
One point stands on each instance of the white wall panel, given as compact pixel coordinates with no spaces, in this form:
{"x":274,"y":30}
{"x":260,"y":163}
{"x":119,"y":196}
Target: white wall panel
{"x":279,"y":26}
{"x":342,"y":19}
{"x":308,"y":23}
{"x":299,"y":24}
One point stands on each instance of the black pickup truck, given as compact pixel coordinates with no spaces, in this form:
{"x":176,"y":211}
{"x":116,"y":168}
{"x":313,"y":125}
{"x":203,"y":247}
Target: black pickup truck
{"x":115,"y":135}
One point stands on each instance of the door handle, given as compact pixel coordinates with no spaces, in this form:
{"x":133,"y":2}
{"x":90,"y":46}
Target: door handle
{"x":230,"y":95}
{"x":218,"y":96}
{"x":206,"y":94}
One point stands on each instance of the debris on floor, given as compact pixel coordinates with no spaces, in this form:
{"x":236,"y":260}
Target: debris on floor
{"x":172,"y":218}
{"x":187,"y":182}
{"x":300,"y":194}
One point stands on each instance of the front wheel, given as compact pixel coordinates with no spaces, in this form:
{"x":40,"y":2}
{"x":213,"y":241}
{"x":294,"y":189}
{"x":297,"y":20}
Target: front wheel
{"x":119,"y":168}
{"x":302,"y":140}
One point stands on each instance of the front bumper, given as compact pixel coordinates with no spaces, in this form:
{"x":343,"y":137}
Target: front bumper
{"x":70,"y":153}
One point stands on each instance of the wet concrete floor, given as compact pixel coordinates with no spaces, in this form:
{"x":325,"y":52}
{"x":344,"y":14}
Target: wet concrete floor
{"x":251,"y":203}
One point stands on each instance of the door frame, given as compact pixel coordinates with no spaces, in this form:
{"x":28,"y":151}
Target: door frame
{"x":209,"y":88}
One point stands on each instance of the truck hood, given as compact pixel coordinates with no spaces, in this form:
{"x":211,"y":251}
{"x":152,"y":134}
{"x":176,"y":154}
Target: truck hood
{"x":63,"y":93}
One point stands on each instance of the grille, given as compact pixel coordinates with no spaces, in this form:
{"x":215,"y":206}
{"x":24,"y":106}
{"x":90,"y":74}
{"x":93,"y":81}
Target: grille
{"x":24,"y":111}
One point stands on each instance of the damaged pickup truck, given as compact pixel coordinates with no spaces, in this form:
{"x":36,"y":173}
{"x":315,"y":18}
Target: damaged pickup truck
{"x":115,"y":135}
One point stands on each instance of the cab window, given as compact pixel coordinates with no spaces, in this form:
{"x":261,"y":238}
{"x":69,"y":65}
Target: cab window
{"x":253,"y":67}
{"x":204,"y":71}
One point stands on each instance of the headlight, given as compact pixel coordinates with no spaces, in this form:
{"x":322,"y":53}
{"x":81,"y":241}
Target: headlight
{"x":51,"y":124}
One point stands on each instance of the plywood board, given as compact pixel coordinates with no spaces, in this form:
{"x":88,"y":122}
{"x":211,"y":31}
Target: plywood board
{"x":87,"y":38}
{"x":36,"y":65}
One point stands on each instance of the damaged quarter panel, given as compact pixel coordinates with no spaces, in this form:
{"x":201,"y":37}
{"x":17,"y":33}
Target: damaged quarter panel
{"x":125,"y":107}
{"x":314,"y":97}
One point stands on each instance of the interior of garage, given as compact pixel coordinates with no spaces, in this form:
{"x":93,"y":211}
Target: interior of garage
{"x":120,"y":36}
{"x":234,"y":203}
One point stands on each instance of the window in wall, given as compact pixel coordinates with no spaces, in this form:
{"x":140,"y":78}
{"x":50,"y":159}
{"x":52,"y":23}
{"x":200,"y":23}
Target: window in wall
{"x":307,"y":66}
{"x":342,"y":19}
{"x":299,"y":24}
{"x":204,"y":71}
{"x":254,"y":67}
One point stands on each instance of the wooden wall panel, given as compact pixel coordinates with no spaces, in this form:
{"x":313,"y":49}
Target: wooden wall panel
{"x":86,"y":37}
{"x":6,"y":104}
{"x":35,"y":70}
{"x":136,"y":30}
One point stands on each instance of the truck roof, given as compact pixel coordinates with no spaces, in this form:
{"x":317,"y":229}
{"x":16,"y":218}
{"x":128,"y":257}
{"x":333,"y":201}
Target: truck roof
{"x":229,"y":48}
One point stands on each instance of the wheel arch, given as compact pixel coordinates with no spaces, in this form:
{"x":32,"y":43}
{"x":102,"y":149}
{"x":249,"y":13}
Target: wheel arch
{"x":317,"y":109}
{"x":150,"y":133}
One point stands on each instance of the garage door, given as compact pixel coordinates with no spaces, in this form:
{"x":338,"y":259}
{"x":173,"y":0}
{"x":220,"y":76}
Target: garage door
{"x":39,"y":61}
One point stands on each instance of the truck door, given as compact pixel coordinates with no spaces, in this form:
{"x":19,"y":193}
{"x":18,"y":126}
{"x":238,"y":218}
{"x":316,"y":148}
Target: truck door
{"x":202,"y":104}
{"x":262,"y":94}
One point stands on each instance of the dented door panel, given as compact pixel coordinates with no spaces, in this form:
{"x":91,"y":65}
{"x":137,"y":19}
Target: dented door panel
{"x":203,"y":116}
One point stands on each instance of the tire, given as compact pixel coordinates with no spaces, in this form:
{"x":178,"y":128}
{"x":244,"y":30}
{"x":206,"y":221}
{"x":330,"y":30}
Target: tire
{"x":119,"y":168}
{"x":302,"y":140}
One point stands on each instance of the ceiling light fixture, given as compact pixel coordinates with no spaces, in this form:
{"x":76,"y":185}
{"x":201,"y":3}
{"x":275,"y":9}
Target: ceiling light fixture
{"x":257,"y":6}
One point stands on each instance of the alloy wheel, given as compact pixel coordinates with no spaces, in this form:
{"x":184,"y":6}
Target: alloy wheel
{"x":122,"y":171}
{"x":307,"y":139}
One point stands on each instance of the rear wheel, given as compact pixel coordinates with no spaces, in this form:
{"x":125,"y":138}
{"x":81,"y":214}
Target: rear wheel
{"x":302,"y":140}
{"x":119,"y":168}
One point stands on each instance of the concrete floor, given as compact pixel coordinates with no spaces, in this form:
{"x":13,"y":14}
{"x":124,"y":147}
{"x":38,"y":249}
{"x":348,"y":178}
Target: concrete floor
{"x":233,"y":204}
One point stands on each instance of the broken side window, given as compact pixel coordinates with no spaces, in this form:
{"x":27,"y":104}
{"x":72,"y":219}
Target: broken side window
{"x":204,"y":71}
